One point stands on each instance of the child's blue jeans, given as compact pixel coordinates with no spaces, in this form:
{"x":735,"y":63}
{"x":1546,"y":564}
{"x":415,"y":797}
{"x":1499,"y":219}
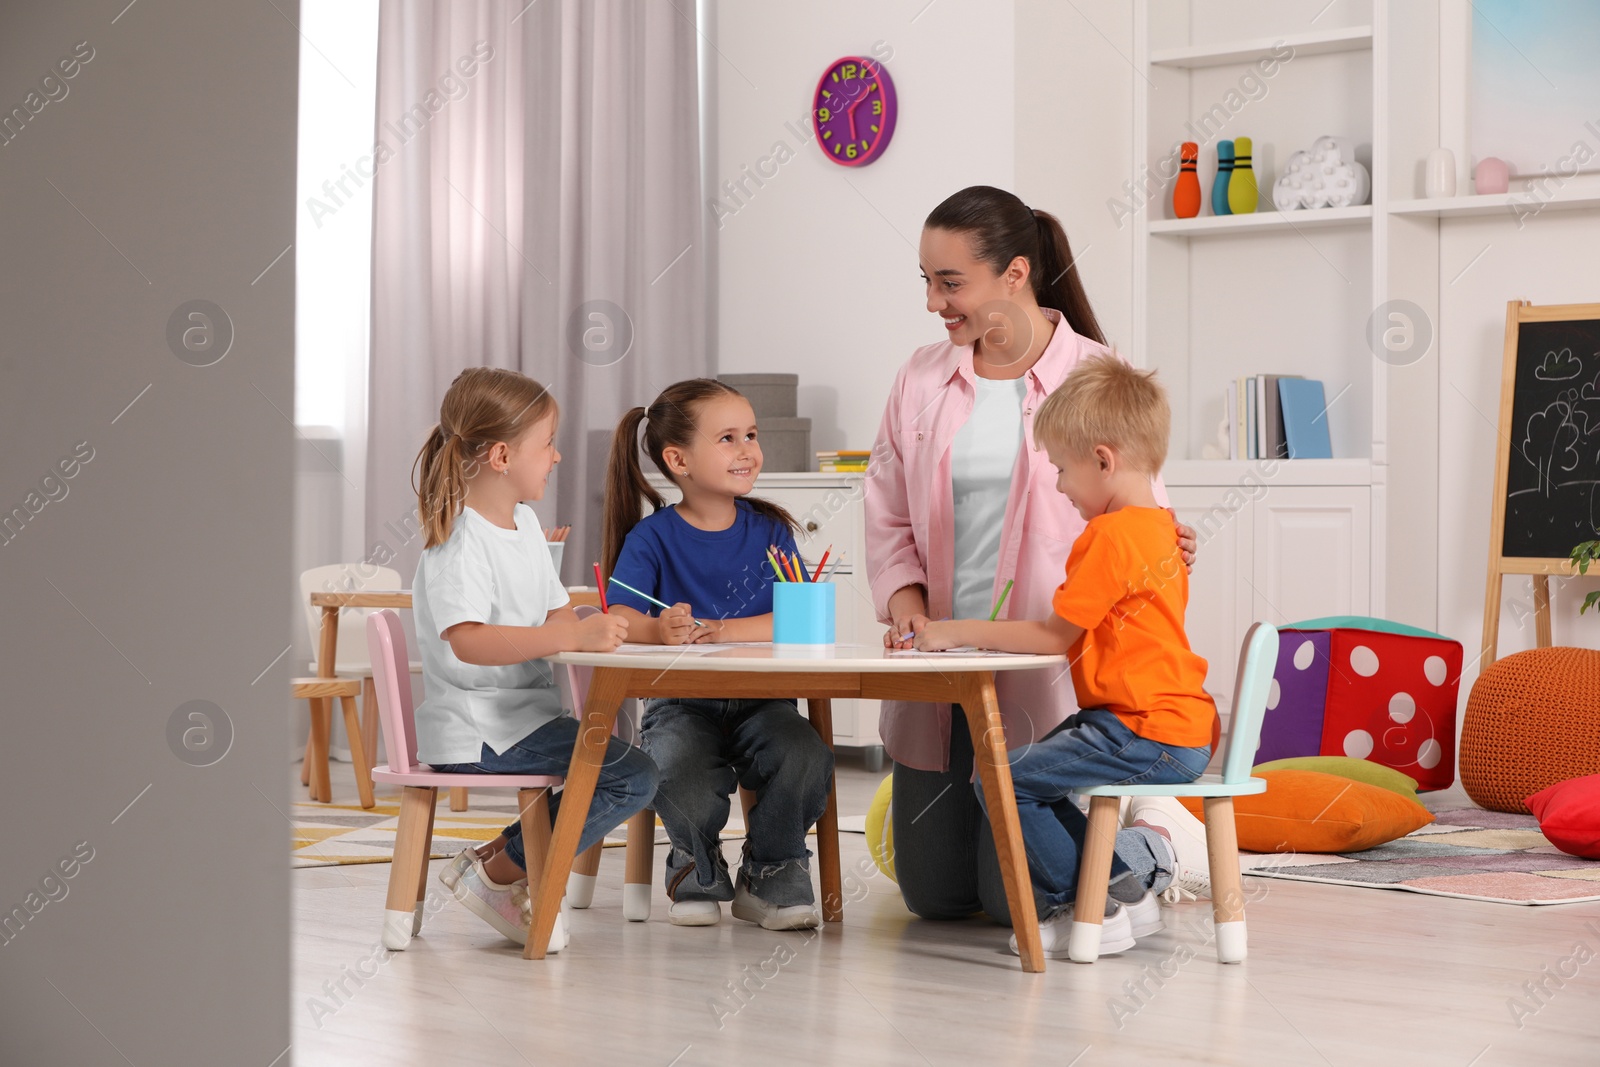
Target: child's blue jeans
{"x":627,"y":779}
{"x":1091,"y":748}
{"x":707,"y":747}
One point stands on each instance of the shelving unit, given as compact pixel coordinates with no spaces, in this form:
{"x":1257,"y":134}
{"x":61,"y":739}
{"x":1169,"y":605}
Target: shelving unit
{"x":1312,"y":43}
{"x":1214,"y":225}
{"x":1493,"y":204}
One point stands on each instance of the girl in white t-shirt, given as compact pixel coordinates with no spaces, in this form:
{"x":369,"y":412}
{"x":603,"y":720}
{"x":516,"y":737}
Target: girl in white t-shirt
{"x":489,"y":606}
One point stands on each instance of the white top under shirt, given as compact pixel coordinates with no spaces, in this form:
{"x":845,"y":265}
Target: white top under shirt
{"x":983,"y":461}
{"x":487,"y":574}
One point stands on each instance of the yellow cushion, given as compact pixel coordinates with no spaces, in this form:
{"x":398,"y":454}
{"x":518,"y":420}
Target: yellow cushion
{"x":1362,"y":770}
{"x":1308,"y":811}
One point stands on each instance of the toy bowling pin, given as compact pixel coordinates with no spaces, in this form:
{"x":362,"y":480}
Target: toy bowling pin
{"x":1242,"y":193}
{"x":1186,"y":194}
{"x":1219,"y":188}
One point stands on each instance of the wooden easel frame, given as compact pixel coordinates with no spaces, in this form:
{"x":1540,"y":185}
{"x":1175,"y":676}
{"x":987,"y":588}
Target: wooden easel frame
{"x":1500,"y":565}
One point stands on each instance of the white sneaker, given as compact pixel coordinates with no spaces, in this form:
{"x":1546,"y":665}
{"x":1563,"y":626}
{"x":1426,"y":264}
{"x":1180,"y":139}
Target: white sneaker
{"x":1144,"y":916}
{"x":1186,"y":837}
{"x":450,"y":874}
{"x":694,"y":913}
{"x":752,"y":909}
{"x":504,"y":907}
{"x":1116,"y":933}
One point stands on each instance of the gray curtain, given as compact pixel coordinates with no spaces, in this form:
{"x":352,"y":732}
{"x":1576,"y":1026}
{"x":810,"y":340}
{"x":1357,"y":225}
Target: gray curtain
{"x":539,"y":209}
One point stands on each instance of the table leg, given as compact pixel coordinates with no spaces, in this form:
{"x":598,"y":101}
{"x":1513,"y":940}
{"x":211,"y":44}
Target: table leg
{"x":606,"y":689}
{"x":820,"y":712}
{"x":994,"y":770}
{"x":316,"y":765}
{"x":321,"y":728}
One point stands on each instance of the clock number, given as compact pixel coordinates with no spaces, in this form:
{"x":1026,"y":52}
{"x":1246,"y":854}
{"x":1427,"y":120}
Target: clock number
{"x":848,"y":71}
{"x":823,"y":114}
{"x":877,"y":107}
{"x":850,"y":152}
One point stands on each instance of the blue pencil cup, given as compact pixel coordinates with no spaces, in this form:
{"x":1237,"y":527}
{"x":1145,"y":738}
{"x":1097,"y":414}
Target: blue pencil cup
{"x":802,"y":613}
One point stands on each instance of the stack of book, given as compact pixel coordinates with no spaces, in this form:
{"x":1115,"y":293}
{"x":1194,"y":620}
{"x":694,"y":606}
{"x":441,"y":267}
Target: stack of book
{"x":839,"y":462}
{"x":1277,"y":416}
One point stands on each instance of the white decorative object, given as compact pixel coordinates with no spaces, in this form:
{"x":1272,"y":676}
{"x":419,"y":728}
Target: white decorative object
{"x":1440,"y":179}
{"x":1218,"y":448}
{"x":1326,"y":176}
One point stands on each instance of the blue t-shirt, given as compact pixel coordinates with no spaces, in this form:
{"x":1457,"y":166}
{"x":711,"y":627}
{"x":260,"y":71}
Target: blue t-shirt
{"x":722,"y":574}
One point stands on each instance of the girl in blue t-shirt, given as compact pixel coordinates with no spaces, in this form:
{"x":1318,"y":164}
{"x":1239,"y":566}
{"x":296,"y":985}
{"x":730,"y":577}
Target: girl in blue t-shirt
{"x":707,"y":557}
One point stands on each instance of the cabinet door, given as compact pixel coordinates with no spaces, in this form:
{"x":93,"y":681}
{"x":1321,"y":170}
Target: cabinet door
{"x":1219,"y":587}
{"x":1313,"y":552}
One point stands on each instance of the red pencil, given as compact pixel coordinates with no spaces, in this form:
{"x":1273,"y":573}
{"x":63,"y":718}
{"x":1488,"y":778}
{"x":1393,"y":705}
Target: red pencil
{"x":605,"y":607}
{"x":823,"y":562}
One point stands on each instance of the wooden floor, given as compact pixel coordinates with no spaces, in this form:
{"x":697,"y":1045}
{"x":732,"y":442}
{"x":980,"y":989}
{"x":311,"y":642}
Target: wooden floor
{"x":1336,"y":976}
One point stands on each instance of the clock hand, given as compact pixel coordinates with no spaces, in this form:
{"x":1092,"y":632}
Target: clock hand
{"x":851,"y":113}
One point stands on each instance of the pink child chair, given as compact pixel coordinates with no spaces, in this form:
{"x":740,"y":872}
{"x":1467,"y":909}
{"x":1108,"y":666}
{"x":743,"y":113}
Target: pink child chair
{"x":403,"y":909}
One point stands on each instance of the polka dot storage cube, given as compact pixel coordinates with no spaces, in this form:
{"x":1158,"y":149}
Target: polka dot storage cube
{"x":1369,"y":689}
{"x":1532,"y":720}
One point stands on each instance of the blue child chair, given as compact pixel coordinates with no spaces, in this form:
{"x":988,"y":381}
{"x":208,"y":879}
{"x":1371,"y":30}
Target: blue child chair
{"x":1256,"y":662}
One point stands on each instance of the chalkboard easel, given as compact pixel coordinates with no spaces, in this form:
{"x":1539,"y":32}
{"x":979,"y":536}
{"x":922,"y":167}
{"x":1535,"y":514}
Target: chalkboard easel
{"x":1547,"y":455}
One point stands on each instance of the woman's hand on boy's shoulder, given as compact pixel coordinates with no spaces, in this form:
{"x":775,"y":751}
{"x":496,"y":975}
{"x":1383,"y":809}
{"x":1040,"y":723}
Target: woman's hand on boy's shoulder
{"x":601,"y":633}
{"x":1187,"y":545}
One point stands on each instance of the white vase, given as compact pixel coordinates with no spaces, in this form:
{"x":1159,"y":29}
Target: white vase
{"x":1440,"y":177}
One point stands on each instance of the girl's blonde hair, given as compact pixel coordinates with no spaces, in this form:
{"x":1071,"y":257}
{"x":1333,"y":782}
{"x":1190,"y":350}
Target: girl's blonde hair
{"x":1104,"y":401}
{"x":483,"y":405}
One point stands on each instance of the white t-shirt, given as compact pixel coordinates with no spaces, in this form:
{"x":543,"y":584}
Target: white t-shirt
{"x":487,"y":574}
{"x":983,"y":461}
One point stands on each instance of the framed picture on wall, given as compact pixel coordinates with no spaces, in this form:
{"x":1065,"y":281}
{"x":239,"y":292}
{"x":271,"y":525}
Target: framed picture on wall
{"x":1536,"y":85}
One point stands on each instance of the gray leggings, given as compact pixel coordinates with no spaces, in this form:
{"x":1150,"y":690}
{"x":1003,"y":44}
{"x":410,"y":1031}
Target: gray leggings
{"x":944,"y":855}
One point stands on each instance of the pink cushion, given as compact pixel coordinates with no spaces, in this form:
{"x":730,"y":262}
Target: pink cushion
{"x":1569,"y":814}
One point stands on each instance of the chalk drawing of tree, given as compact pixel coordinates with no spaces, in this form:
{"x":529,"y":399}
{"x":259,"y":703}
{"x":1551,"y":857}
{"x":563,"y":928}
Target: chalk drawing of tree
{"x":1549,"y":443}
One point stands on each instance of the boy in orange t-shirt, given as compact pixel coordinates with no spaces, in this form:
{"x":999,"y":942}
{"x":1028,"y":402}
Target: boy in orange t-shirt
{"x":1119,"y":616}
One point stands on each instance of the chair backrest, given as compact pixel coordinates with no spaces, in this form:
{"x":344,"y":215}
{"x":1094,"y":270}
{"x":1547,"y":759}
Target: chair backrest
{"x":391,"y":675}
{"x":343,"y":578}
{"x":1257,"y":660}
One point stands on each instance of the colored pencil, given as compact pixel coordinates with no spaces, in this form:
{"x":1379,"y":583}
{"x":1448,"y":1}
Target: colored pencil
{"x":605,"y":606}
{"x":823,"y":562}
{"x":647,"y":596}
{"x":772,"y":559}
{"x":794,"y":566}
{"x":829,"y":576}
{"x":995,"y":614}
{"x":800,"y":565}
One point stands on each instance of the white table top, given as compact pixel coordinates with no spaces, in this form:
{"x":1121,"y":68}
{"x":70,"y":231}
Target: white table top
{"x":820,"y":659}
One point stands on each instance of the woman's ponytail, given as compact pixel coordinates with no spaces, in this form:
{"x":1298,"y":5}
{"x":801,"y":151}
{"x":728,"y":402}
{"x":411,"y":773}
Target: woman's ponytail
{"x":1056,"y":281}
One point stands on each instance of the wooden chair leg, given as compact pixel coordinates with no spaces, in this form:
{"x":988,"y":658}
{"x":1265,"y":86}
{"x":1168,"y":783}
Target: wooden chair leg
{"x":820,"y":713}
{"x":411,"y":848}
{"x":358,"y":752}
{"x":458,"y":798}
{"x":1094,"y":875}
{"x":321,"y":723}
{"x":585,"y":872}
{"x":305,"y":764}
{"x":369,"y":718}
{"x":422,"y":870}
{"x":1227,"y":890}
{"x":638,"y":866}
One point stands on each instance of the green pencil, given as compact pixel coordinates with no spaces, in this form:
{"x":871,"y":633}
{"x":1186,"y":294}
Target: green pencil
{"x":995,"y":614}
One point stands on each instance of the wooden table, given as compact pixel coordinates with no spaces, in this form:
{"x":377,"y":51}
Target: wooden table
{"x":315,"y":772}
{"x":818,"y":676}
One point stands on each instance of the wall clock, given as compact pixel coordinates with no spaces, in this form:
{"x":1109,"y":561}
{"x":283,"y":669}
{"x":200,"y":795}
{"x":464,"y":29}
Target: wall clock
{"x":853,"y":111}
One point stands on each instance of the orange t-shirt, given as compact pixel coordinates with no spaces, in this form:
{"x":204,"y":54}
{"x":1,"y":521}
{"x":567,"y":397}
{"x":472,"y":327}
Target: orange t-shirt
{"x":1127,"y":587}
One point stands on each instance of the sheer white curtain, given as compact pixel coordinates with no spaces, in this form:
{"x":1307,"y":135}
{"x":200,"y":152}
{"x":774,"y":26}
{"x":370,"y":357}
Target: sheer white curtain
{"x":538,"y":207}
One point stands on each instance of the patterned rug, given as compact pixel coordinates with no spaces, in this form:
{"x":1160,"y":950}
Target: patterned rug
{"x":1467,"y":852}
{"x":327,"y":835}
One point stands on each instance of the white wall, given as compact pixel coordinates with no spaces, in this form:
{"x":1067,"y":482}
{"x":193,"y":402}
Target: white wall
{"x":818,"y":265}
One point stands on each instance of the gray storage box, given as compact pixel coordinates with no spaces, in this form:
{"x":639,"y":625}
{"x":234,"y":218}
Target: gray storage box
{"x":785,"y":444}
{"x":771,"y":395}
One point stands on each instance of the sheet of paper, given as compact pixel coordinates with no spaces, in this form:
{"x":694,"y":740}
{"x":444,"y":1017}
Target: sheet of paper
{"x":966,"y":651}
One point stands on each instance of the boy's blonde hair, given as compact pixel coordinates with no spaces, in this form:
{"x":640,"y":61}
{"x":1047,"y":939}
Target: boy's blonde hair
{"x":1103,"y":401}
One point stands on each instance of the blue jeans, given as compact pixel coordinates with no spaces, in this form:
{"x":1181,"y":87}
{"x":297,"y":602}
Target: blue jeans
{"x":705,"y":749}
{"x":1091,"y":748}
{"x":627,"y":779}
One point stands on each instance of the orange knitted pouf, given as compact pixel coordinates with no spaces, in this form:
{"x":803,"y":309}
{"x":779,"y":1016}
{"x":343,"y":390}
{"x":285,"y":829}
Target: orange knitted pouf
{"x":1533,"y":719}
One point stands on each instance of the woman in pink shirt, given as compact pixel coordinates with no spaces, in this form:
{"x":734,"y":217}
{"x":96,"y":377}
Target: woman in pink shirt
{"x":1000,"y":276}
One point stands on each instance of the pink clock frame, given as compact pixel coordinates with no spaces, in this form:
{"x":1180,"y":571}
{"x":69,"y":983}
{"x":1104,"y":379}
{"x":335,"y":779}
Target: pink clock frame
{"x":842,"y":133}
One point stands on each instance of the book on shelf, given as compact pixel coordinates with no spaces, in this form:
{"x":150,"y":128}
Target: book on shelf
{"x":843,"y":461}
{"x":1256,"y":419}
{"x":1305,"y":419}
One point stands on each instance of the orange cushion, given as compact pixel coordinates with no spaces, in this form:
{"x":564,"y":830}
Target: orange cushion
{"x":1308,"y":811}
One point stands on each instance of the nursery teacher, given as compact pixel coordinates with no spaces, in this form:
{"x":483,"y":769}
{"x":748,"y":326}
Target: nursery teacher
{"x":958,"y":502}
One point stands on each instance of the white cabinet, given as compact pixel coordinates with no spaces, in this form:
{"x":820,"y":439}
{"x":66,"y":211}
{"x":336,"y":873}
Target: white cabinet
{"x":829,"y":509}
{"x":1278,"y":553}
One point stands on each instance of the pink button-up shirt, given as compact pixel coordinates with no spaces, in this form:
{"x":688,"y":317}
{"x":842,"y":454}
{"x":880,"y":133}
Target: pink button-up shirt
{"x":911,"y":532}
